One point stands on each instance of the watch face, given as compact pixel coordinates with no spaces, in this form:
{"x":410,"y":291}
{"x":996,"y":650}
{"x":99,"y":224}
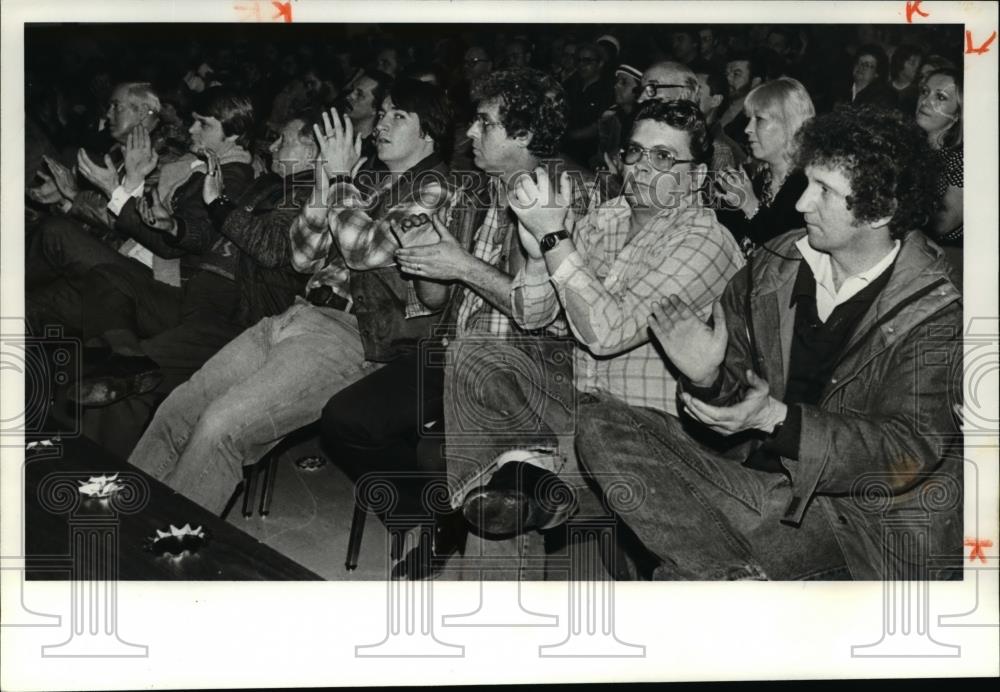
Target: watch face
{"x":551,"y":240}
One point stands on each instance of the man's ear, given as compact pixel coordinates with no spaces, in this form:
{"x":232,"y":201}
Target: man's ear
{"x":524,"y":140}
{"x":698,"y":174}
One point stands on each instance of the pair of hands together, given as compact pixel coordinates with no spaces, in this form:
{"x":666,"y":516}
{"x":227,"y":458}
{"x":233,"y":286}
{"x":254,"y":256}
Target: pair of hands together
{"x":698,"y":351}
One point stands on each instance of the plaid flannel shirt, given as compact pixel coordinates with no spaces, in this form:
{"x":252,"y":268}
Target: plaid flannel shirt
{"x":363,"y":242}
{"x":475,"y":315}
{"x":682,"y":251}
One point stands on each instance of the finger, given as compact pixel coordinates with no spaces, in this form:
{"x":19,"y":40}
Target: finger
{"x":360,"y":162}
{"x":320,"y":136}
{"x":719,"y":319}
{"x":338,"y":127}
{"x":705,"y":412}
{"x":348,"y":129}
{"x":565,"y":187}
{"x":757,"y":383}
{"x":46,"y":177}
{"x":328,"y":130}
{"x":108,"y":163}
{"x":442,"y":230}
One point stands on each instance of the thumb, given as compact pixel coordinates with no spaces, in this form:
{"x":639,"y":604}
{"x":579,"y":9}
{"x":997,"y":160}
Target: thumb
{"x":757,"y":382}
{"x":719,"y":319}
{"x":108,"y":162}
{"x":442,"y":230}
{"x":357,"y":166}
{"x":565,"y":187}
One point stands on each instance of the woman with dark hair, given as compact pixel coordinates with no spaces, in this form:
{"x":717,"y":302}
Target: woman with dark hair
{"x":939,"y":114}
{"x":759,"y":198}
{"x":904,"y":69}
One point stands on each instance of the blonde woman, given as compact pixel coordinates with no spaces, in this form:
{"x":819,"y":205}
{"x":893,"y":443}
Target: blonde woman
{"x":758,"y":199}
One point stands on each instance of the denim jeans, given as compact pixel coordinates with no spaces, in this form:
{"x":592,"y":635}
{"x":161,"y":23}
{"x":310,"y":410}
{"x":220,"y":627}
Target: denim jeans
{"x":272,"y":379}
{"x":700,"y":510}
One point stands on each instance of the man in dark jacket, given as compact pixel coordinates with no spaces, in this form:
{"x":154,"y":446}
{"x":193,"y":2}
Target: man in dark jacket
{"x":357,"y":310}
{"x":830,"y":371}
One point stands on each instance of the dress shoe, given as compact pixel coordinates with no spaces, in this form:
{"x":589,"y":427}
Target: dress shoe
{"x":427,"y":561}
{"x":118,"y":377}
{"x":520,"y":497}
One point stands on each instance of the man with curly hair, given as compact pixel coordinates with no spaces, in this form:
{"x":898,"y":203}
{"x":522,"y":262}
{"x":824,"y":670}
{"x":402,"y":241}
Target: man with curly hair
{"x":819,"y":398}
{"x":519,"y":121}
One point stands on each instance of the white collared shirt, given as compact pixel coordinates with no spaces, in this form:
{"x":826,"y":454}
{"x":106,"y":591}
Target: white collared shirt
{"x":827,"y":296}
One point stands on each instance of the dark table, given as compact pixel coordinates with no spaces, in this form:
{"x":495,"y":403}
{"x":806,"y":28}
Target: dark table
{"x":109,"y":535}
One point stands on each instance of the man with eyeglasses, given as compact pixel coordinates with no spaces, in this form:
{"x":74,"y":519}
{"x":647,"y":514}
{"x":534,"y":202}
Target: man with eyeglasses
{"x":519,"y":123}
{"x":602,"y":274}
{"x":817,"y":402}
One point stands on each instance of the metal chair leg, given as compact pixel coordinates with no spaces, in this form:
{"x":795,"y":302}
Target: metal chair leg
{"x":232,"y":500}
{"x":357,"y":532}
{"x":250,"y":490}
{"x":267,"y":489}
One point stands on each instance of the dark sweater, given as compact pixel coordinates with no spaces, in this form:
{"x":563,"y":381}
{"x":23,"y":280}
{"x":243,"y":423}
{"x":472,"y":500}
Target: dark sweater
{"x":771,"y":221}
{"x":257,"y":224}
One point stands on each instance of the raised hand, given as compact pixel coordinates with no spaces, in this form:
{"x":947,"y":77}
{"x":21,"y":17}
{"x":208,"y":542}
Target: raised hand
{"x":315,"y":209}
{"x":696,"y":349}
{"x":212,"y":185}
{"x":105,"y":178}
{"x":758,"y":410}
{"x":540,"y":208}
{"x":140,"y":157}
{"x":155,"y":215}
{"x":63,"y":178}
{"x":734,"y":186}
{"x":444,"y":260}
{"x":47,"y":192}
{"x":340,"y":149}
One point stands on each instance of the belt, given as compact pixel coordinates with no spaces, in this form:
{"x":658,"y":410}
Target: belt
{"x":324,"y":297}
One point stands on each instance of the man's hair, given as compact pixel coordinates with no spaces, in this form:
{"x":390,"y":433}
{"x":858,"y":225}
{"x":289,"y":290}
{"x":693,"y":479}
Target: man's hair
{"x":142,"y":94}
{"x":881,"y":61}
{"x":786,"y":100}
{"x":684,"y":116}
{"x":685,"y":72}
{"x":528,"y":100}
{"x":234,"y":111}
{"x":430,"y":103}
{"x":953,"y":135}
{"x":883,"y":154}
{"x":900,"y":57}
{"x":717,"y":86}
{"x":753,"y":59}
{"x":383,"y":82}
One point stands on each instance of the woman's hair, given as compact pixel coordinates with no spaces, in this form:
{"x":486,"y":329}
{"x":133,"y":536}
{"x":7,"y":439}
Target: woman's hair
{"x":786,"y":100}
{"x":900,"y":57}
{"x":952,"y":136}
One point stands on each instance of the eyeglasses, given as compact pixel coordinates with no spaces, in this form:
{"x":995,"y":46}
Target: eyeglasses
{"x":649,"y":90}
{"x":660,"y":159}
{"x":484,"y":121}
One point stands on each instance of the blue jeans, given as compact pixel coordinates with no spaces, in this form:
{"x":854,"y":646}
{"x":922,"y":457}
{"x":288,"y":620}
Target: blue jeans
{"x":269,"y":381}
{"x":699,"y":509}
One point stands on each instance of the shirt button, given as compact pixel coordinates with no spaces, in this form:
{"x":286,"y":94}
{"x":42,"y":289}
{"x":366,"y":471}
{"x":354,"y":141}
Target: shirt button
{"x":833,"y":380}
{"x":890,"y":330}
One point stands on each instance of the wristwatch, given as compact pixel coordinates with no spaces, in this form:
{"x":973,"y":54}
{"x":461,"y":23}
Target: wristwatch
{"x":550,"y":240}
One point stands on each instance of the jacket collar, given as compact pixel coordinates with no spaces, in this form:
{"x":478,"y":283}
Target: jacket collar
{"x":921,"y":271}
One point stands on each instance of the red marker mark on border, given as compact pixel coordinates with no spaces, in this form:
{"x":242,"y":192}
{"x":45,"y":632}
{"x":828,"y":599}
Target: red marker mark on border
{"x":914,"y":6}
{"x":284,"y":11}
{"x":970,"y":48}
{"x":977,"y":546}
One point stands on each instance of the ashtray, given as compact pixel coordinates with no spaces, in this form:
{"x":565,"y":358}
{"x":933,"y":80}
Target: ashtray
{"x":310,"y":463}
{"x":177,"y":541}
{"x":99,"y":486}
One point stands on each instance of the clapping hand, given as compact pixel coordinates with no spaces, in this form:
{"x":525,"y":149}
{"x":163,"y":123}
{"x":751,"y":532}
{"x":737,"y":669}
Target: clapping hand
{"x":540,"y":208}
{"x":140,"y":157}
{"x":155,"y":215}
{"x":443,"y":260}
{"x":47,"y":192}
{"x":758,"y":410}
{"x":105,"y":178}
{"x":340,"y":148}
{"x":694,"y":348}
{"x":212,"y":185}
{"x":736,"y":189}
{"x":315,"y":209}
{"x":63,"y":178}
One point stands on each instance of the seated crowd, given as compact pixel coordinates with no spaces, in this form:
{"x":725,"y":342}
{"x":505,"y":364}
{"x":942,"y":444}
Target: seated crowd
{"x":696,"y":264}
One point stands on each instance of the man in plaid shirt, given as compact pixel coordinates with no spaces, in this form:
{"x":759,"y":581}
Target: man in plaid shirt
{"x":519,"y":122}
{"x":605,"y":275}
{"x":275,"y":377}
